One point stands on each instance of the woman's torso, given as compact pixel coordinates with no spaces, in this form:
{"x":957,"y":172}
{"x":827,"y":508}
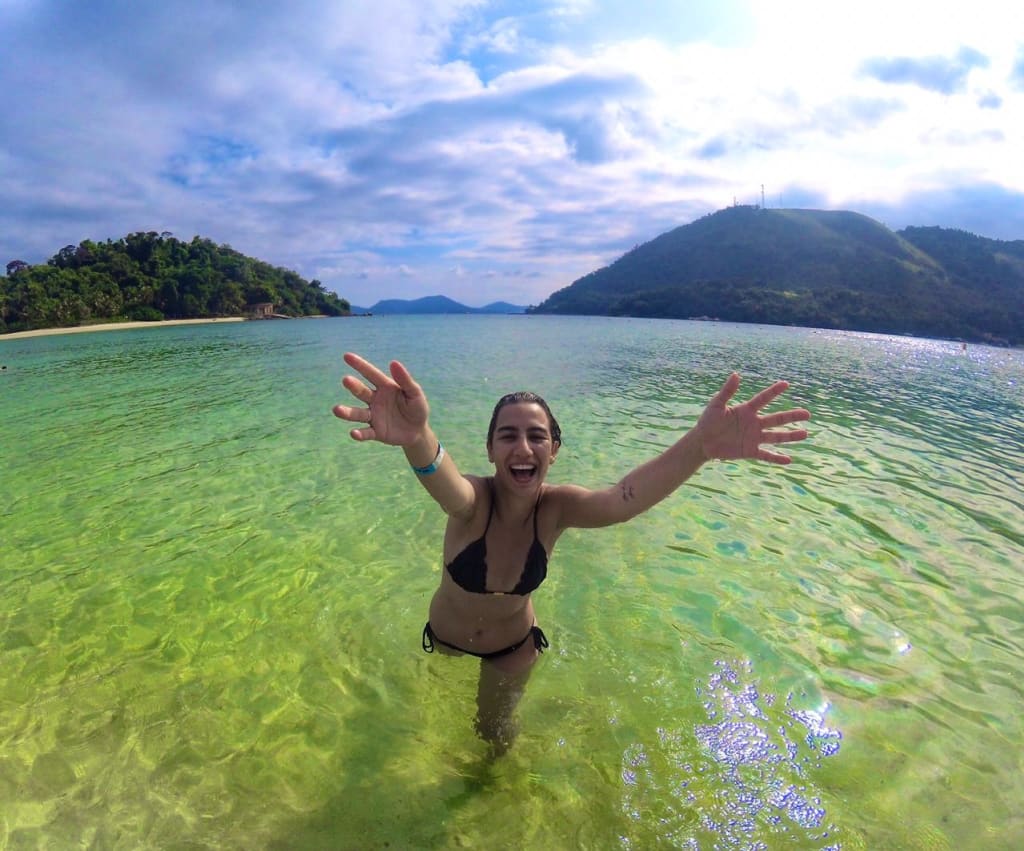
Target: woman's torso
{"x":485,"y":622}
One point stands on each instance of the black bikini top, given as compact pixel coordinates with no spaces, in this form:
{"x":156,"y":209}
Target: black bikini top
{"x":469,"y":568}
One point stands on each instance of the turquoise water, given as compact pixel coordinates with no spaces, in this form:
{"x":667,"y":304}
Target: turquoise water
{"x":211,"y":598}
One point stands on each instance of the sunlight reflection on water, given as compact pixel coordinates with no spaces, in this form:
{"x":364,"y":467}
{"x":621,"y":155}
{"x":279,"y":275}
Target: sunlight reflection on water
{"x":754,"y":777}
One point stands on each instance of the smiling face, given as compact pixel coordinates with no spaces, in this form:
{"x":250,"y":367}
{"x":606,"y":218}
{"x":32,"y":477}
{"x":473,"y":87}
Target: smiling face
{"x":522,"y":447}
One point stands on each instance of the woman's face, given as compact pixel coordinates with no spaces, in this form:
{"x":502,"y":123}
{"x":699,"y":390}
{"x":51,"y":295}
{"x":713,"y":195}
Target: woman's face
{"x":522,"y":449}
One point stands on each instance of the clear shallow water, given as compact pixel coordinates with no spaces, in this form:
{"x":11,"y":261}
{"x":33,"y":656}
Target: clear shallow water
{"x":211,"y":599}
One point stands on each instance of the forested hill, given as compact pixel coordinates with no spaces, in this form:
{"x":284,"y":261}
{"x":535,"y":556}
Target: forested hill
{"x":826,"y":269}
{"x":152,"y":276}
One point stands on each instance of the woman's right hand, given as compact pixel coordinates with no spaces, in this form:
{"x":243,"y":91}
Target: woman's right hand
{"x":396,"y":407}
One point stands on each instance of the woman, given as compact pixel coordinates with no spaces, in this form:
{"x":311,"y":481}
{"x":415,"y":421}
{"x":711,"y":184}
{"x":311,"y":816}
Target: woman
{"x":501,"y":529}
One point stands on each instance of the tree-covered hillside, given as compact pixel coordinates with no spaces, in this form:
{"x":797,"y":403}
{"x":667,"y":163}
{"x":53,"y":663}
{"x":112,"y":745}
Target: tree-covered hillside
{"x":829,"y":269}
{"x":151,"y":276}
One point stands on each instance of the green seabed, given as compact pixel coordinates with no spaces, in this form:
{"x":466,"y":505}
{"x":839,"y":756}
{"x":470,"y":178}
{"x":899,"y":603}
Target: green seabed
{"x":211,"y":598}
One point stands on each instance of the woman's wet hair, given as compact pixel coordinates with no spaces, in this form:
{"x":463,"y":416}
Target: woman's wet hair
{"x":524,"y":397}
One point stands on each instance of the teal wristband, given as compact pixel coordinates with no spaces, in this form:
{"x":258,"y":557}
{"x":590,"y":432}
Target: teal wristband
{"x":433,"y":465}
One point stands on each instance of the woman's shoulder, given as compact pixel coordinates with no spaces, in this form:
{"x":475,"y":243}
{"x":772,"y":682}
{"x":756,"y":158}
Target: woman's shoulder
{"x":557,"y":498}
{"x":483,"y":491}
{"x":481,"y":484}
{"x":575,"y":506}
{"x":563,"y":493}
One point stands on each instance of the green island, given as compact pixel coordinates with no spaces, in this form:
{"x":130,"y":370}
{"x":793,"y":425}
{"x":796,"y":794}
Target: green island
{"x":153,"y":277}
{"x":814,"y":268}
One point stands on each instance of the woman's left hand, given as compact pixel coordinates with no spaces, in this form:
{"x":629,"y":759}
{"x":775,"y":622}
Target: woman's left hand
{"x":739,"y":431}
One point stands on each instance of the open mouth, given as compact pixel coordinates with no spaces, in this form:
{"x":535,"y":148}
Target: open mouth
{"x":522,"y":472}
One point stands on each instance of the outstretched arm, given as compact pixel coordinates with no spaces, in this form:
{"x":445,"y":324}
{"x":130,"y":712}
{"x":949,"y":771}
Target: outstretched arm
{"x":396,"y":412}
{"x":721,"y":432}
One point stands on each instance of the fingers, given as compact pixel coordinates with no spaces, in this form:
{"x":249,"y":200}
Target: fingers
{"x":768,"y":395}
{"x":773,"y":457}
{"x":403,"y":378}
{"x":357,"y":388}
{"x":779,"y":437}
{"x":784,"y":436}
{"x":356,"y":415}
{"x":727,"y":391}
{"x":785,"y":417}
{"x":366,"y":369}
{"x":353,"y":415}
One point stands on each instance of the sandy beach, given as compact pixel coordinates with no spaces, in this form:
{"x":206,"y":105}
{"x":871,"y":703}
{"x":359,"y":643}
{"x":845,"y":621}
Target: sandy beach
{"x":113,"y":326}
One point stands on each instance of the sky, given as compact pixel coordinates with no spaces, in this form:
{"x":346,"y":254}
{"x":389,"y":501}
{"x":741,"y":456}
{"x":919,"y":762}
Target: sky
{"x":496,"y":151}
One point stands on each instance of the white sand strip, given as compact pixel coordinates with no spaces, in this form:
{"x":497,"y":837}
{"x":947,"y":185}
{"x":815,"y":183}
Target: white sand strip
{"x":113,"y":326}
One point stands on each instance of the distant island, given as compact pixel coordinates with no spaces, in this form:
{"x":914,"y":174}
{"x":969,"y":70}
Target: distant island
{"x":152,"y":277}
{"x":434,"y":304}
{"x":814,"y":268}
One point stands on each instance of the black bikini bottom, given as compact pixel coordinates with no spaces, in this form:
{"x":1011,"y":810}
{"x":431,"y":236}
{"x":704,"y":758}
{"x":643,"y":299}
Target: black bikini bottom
{"x":540,"y":641}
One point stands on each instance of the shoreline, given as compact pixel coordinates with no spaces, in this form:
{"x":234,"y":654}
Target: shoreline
{"x":113,"y":326}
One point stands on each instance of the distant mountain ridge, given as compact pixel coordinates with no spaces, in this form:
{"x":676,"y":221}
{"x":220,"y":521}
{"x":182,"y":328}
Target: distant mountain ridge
{"x":829,"y":269}
{"x":434,"y":304}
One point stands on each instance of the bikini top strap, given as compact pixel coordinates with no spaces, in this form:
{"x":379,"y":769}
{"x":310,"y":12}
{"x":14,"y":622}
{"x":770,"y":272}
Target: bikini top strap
{"x":490,"y":511}
{"x":536,"y":509}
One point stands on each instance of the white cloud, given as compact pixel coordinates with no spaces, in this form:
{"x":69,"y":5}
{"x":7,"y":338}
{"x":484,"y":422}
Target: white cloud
{"x":379,"y":145}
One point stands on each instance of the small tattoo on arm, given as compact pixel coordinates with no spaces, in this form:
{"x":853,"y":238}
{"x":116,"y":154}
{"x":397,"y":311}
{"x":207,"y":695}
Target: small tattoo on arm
{"x":627,"y":493}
